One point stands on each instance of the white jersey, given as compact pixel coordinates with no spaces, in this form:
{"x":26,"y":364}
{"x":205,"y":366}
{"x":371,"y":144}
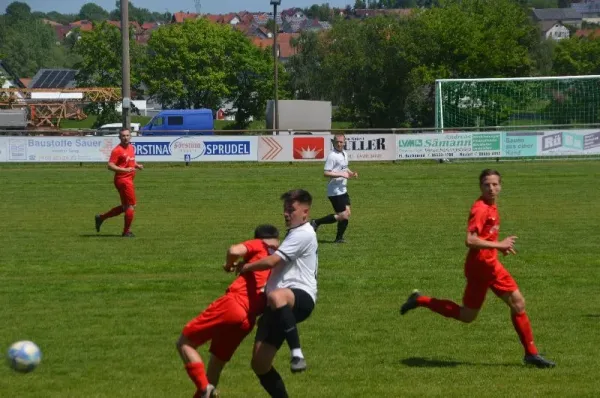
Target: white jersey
{"x":299,"y":252}
{"x":336,"y":161}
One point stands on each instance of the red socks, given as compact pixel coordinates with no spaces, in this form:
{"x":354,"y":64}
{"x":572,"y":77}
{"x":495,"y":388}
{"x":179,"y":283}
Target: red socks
{"x":115,"y":211}
{"x":197,"y":374}
{"x":128,"y":219}
{"x":523,"y":328}
{"x":447,"y":308}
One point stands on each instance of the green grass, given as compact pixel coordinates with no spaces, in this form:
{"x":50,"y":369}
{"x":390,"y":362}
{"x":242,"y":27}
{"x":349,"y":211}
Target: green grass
{"x":107,"y":311}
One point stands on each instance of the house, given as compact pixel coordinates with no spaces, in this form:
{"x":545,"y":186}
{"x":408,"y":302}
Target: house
{"x":180,"y":17}
{"x":554,"y":23}
{"x":284,"y":45}
{"x":8,"y":78}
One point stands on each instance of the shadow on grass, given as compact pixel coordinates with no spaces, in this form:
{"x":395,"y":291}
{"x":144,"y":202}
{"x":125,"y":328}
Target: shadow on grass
{"x":419,"y":362}
{"x":592,"y":315}
{"x":100,"y":235}
{"x":327,"y":242}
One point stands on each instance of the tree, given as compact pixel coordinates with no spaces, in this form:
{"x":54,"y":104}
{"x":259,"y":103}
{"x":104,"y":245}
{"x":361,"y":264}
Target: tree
{"x":251,"y":79}
{"x":304,"y":68}
{"x":93,"y":12}
{"x":18,"y":11}
{"x":139,"y":15}
{"x":100,"y":66}
{"x":199,"y":64}
{"x":29,"y":44}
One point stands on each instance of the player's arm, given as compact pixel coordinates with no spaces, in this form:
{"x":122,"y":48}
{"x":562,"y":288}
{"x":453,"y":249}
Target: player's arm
{"x":113,"y":167}
{"x":336,"y":174}
{"x":139,"y":166}
{"x":506,"y":245}
{"x":265,"y":263}
{"x":233,"y":254}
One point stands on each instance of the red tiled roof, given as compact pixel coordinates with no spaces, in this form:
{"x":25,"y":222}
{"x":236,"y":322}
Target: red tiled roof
{"x":179,"y":17}
{"x":25,"y":81}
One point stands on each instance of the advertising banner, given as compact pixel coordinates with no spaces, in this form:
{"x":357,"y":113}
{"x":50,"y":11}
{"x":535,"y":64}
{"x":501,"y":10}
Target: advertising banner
{"x":373,"y":147}
{"x":57,"y":149}
{"x":520,"y":144}
{"x":204,"y":148}
{"x":448,"y":146}
{"x":569,"y":143}
{"x":293,"y":148}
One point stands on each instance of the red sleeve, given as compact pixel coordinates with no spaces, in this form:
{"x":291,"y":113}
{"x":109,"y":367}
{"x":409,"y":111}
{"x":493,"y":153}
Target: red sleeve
{"x":253,"y":246}
{"x":114,"y":156}
{"x":477,"y":218}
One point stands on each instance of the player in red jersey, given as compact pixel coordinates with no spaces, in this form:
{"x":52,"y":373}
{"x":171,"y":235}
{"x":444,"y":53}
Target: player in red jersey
{"x":484,"y":271}
{"x":230,"y":318}
{"x":122,"y":163}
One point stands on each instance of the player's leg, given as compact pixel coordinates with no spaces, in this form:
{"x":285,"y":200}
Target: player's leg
{"x":129,"y":206}
{"x":473,"y":298}
{"x":234,"y":329}
{"x":506,"y":288}
{"x":343,"y":221}
{"x":330,"y":218}
{"x":115,"y":211}
{"x":197,"y":332}
{"x":267,"y":342}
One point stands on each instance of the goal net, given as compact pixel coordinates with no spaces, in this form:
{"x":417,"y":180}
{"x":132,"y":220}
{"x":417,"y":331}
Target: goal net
{"x":517,"y":102}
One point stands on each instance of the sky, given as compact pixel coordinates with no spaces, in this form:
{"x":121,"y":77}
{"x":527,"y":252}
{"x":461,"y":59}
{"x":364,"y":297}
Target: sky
{"x":208,"y":6}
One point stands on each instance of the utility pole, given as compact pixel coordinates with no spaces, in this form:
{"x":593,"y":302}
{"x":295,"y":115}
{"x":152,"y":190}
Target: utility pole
{"x":125,"y":66}
{"x":275,"y":3}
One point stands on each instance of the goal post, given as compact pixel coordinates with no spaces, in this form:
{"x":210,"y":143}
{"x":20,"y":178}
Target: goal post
{"x":517,"y":102}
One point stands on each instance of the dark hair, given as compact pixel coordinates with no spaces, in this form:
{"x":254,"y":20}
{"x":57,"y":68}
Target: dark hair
{"x":297,"y":195}
{"x":266,"y":231}
{"x":489,"y":172}
{"x":124,"y":129}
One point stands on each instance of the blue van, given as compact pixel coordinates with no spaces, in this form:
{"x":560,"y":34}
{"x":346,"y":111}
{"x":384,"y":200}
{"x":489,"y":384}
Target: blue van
{"x":180,"y":122}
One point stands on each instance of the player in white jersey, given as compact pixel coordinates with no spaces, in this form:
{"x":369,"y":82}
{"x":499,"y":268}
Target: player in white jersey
{"x":336,"y":169}
{"x":291,"y":292}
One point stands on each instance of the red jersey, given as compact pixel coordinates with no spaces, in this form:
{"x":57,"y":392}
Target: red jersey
{"x":249,"y":288}
{"x":123,"y":157}
{"x":485,"y":221}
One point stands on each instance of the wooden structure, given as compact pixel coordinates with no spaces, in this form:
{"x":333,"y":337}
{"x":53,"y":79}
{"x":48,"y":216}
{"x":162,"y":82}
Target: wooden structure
{"x":48,"y":112}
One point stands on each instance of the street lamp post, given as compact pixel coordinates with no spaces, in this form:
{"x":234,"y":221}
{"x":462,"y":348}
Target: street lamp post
{"x":275,"y":3}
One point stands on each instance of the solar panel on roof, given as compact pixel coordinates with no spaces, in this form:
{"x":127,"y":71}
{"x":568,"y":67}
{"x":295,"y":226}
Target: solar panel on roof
{"x":54,"y":78}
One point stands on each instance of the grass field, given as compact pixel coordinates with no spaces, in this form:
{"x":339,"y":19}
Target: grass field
{"x":106,"y":311}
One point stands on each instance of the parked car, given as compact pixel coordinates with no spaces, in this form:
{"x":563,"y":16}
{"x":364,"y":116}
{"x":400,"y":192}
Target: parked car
{"x":113,"y":129}
{"x":180,"y":122}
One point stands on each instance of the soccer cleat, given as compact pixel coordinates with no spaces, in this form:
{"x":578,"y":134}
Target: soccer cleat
{"x":128,"y":235}
{"x":313,"y":224}
{"x":339,"y":240}
{"x":410,"y":303}
{"x":297,"y":364}
{"x":210,"y":392}
{"x":99,"y":222}
{"x":538,"y":361}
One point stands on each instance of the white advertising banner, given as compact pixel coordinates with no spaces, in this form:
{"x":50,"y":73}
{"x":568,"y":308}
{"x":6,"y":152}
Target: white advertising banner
{"x":448,"y":146}
{"x":199,"y":148}
{"x":56,"y":149}
{"x":569,"y":143}
{"x":293,"y":148}
{"x":370,"y":147}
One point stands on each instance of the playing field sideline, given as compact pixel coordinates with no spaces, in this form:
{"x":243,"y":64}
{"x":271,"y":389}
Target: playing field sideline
{"x":106,"y":311}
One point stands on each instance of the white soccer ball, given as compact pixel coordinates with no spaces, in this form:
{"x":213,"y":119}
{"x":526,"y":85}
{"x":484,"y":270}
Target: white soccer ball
{"x":24,"y":356}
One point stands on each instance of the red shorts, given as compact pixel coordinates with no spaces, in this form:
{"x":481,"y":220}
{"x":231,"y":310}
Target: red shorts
{"x":126,"y":192}
{"x":500,"y":281}
{"x":225,"y":322}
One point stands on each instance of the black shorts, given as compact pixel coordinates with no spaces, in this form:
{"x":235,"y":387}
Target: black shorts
{"x":340,"y":202}
{"x":268,"y":331}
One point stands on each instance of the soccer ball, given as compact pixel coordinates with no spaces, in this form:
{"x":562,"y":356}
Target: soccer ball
{"x":24,"y":356}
